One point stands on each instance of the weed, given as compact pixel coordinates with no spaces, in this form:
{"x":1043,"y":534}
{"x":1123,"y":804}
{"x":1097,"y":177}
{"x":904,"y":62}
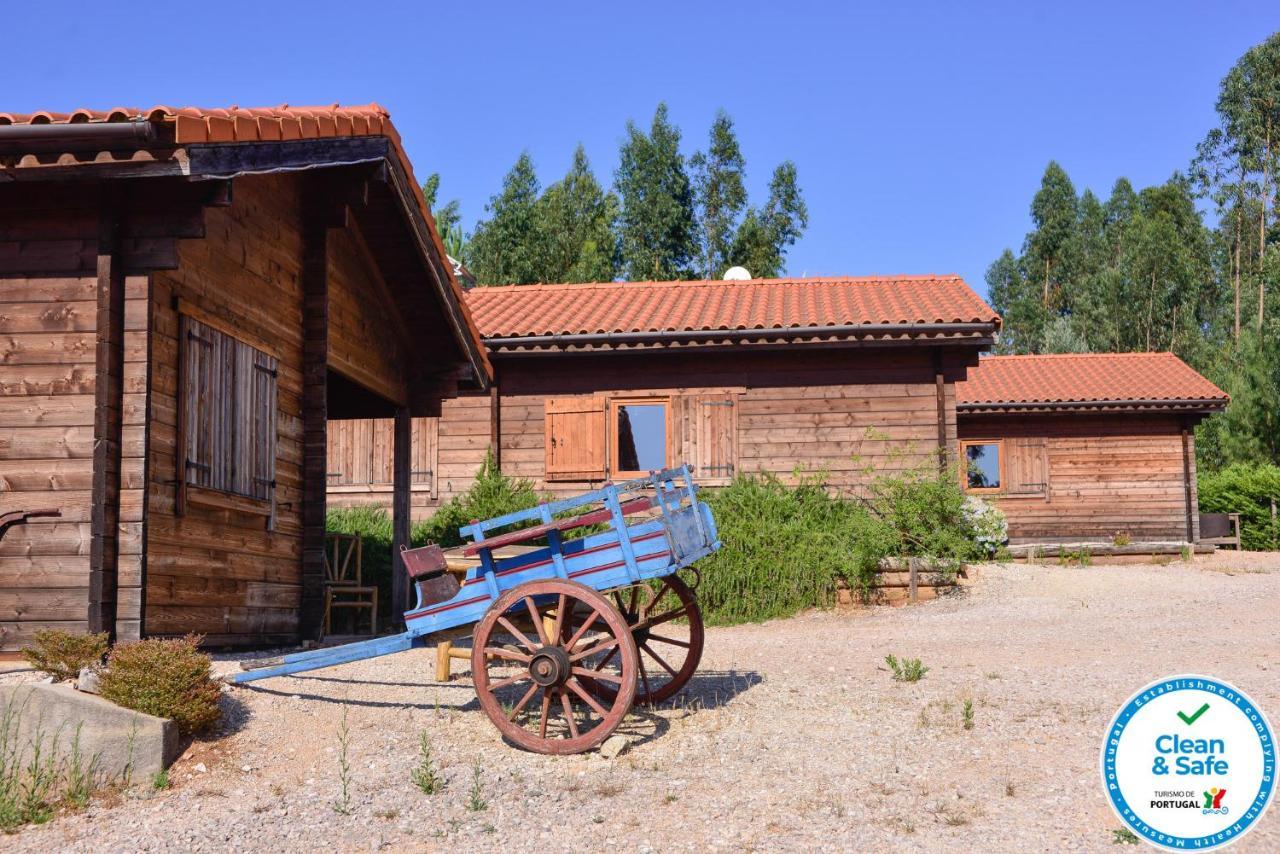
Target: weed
{"x":476,"y":801}
{"x":906,"y":670}
{"x":387,"y":814}
{"x":343,"y":805}
{"x":1187,"y":553}
{"x":424,"y":774}
{"x":80,"y":778}
{"x":991,"y":674}
{"x":488,"y":828}
{"x":967,"y":714}
{"x":1121,"y":538}
{"x":160,"y":780}
{"x":1123,"y":836}
{"x":1009,"y":791}
{"x":609,"y":788}
{"x":1082,"y":556}
{"x":670,"y":798}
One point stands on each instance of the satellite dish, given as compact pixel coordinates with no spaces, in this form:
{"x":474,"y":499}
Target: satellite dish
{"x":737,"y":274}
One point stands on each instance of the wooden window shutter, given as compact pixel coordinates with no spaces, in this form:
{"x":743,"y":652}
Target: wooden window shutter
{"x":716,"y":437}
{"x":264,"y":373}
{"x":424,"y":456}
{"x":1026,"y":466}
{"x":337,"y":452}
{"x":575,"y":438}
{"x":381,"y":457}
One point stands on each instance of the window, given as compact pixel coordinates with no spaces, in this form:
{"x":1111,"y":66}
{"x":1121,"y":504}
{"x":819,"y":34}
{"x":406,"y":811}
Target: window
{"x":638,"y":436}
{"x":984,"y":465}
{"x":228,"y":395}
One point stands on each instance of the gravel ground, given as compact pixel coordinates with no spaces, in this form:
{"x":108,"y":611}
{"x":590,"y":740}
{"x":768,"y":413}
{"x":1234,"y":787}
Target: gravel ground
{"x":793,"y":736}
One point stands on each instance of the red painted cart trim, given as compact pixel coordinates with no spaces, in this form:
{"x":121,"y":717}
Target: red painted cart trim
{"x":592,"y":550}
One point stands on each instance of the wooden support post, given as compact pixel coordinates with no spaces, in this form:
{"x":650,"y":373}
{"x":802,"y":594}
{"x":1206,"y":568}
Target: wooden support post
{"x":914,"y":566}
{"x":315,"y":413}
{"x":443,"y":650}
{"x":940,"y":382}
{"x":495,"y":425}
{"x":1186,"y":483}
{"x":400,"y":510}
{"x":104,"y":553}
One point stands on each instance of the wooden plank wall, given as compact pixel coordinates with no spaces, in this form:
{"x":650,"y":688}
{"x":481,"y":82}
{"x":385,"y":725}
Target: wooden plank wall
{"x":47,"y":328}
{"x":360,"y":464}
{"x":1105,"y":475}
{"x":220,"y":572}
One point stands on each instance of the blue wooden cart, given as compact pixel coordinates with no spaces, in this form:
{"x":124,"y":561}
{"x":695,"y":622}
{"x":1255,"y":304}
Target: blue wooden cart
{"x":566,"y":635}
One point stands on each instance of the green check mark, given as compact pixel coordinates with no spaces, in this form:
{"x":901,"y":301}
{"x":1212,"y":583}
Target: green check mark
{"x":1190,"y":719}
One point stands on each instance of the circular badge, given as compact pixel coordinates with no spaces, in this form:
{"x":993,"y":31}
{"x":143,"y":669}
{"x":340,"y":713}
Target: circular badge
{"x":1189,"y":763}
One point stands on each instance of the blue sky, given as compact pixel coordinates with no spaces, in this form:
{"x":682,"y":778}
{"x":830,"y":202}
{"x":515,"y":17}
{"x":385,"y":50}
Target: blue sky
{"x":920,"y":131}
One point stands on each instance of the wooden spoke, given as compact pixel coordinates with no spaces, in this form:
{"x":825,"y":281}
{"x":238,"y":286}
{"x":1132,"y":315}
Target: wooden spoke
{"x":519,"y":677}
{"x":519,"y":635}
{"x":559,"y":618}
{"x":546,"y":709}
{"x":659,"y":659}
{"x":644,"y":676}
{"x":592,"y":650}
{"x":672,"y":641}
{"x":607,"y":659}
{"x":635,"y":594}
{"x":568,"y":714}
{"x":573,"y":642}
{"x":537,"y":620}
{"x":528,"y":695}
{"x":596,"y":674}
{"x":506,"y":654}
{"x":667,"y":617}
{"x":591,"y":701}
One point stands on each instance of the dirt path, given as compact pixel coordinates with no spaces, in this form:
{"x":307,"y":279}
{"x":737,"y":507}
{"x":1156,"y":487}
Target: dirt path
{"x":793,"y":736}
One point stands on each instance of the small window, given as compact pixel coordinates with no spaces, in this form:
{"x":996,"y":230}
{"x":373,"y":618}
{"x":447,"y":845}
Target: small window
{"x":228,"y":393}
{"x":638,"y":436}
{"x":984,"y":466}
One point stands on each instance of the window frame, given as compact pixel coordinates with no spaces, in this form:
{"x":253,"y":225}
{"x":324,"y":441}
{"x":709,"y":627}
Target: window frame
{"x":1000,"y":466}
{"x":611,"y":428}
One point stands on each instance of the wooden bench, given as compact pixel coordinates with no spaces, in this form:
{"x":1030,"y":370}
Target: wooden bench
{"x":1220,"y":529}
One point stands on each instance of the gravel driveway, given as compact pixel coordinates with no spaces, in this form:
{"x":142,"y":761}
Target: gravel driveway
{"x":793,"y":736}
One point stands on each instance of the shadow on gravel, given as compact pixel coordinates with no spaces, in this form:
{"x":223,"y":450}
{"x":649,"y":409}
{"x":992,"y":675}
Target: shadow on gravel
{"x":711,"y":689}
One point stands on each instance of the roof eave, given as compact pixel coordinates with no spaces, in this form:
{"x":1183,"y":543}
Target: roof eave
{"x":1193,"y":406}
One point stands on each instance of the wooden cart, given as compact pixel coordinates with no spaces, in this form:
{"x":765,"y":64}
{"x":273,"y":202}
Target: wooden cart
{"x":568,"y":634}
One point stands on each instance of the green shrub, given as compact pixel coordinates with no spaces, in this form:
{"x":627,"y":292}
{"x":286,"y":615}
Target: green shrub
{"x":906,"y":670}
{"x":492,"y":494}
{"x":62,"y":654}
{"x":1249,"y":490}
{"x":785,"y":547}
{"x":165,"y":678}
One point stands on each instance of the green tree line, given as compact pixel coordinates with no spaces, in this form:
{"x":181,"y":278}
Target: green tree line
{"x":665,"y":217}
{"x":1191,"y":265}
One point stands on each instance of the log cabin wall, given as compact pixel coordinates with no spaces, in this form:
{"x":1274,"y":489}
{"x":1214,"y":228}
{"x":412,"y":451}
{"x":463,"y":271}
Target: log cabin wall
{"x":47,"y":384}
{"x":840,"y":410}
{"x":219,"y":570}
{"x":1091,"y":476}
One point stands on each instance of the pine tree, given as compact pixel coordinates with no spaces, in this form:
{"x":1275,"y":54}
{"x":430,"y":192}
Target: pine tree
{"x":762,"y":240}
{"x":1017,"y":301}
{"x":1054,"y":210}
{"x":720,"y":194}
{"x":578,"y":219}
{"x":510,"y":246}
{"x":658,"y":230}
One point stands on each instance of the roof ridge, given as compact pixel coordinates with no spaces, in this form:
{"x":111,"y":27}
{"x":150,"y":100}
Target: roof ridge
{"x":690,"y":283}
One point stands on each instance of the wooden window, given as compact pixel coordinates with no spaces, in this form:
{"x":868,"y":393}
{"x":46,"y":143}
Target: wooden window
{"x":360,"y":454}
{"x":639,"y":433}
{"x":984,"y":465}
{"x":1026,"y":466}
{"x":228,"y":420}
{"x":705,"y":435}
{"x":575,"y":438}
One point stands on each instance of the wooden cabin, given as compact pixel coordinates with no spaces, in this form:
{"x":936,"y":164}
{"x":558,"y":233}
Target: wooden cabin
{"x":599,"y":382}
{"x":1086,"y":447}
{"x":186,"y":297}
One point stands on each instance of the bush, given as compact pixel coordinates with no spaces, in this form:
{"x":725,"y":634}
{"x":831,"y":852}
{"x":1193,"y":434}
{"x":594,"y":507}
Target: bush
{"x":63,"y":654}
{"x":786,"y":548}
{"x":165,"y":678}
{"x":1249,"y":490}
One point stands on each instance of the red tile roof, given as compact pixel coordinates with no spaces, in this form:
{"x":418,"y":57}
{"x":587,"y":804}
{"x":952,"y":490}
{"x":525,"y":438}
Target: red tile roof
{"x":691,"y":307}
{"x":196,"y":125}
{"x":1136,"y":380}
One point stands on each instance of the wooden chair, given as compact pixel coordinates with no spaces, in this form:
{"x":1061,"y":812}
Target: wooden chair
{"x":1220,"y":529}
{"x":343,"y":586}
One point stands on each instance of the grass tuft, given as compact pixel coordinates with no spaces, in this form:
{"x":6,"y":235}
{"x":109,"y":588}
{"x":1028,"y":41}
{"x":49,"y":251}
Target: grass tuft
{"x":906,"y":670}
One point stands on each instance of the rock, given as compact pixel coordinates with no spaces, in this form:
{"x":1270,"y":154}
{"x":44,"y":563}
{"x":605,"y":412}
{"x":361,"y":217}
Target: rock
{"x":199,"y":768}
{"x":88,"y":681}
{"x":615,"y":746}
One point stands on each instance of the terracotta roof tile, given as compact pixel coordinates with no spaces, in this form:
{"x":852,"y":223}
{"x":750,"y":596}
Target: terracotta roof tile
{"x":195,"y":125}
{"x":617,"y":307}
{"x":1084,"y":378}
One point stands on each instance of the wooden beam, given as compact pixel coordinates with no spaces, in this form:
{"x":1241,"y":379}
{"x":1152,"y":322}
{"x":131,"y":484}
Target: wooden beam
{"x":495,"y":425}
{"x":940,"y":382}
{"x":1186,"y":483}
{"x":315,"y":354}
{"x":104,"y":553}
{"x":401,"y":445}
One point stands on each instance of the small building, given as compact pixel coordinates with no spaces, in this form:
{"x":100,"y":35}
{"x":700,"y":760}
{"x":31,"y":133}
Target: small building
{"x":186,"y":297}
{"x":599,"y":382}
{"x":1086,"y":447}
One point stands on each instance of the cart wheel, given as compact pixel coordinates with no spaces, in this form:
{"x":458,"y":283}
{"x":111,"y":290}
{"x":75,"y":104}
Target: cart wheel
{"x":668,"y":654}
{"x":567,"y":718}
